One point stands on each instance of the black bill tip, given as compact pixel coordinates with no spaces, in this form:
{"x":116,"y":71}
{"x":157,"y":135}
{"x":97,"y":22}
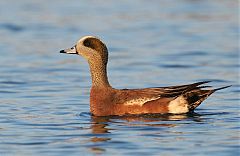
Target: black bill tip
{"x":62,"y":51}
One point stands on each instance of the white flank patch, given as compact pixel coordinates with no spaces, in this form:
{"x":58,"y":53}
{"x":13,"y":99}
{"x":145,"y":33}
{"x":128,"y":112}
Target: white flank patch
{"x":178,"y":105}
{"x":139,"y":101}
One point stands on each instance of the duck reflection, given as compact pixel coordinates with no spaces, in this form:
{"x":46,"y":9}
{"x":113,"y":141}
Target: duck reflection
{"x":101,"y":126}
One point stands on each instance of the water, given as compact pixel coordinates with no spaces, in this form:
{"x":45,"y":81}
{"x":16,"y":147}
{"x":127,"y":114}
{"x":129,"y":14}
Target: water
{"x":45,"y":95}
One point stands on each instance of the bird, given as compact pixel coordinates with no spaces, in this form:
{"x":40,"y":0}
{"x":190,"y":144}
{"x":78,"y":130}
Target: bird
{"x":106,"y":100}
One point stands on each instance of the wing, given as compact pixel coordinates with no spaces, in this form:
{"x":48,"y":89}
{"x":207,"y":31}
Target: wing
{"x":171,"y":91}
{"x":141,"y":96}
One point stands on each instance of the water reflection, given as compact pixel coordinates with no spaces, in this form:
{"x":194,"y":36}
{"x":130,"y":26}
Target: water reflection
{"x":104,"y":129}
{"x":100,"y":123}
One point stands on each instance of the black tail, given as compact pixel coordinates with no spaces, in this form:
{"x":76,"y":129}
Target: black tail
{"x":197,"y":96}
{"x":214,"y":90}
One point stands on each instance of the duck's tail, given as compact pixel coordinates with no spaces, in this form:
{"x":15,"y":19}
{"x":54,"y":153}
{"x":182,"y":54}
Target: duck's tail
{"x":197,"y":96}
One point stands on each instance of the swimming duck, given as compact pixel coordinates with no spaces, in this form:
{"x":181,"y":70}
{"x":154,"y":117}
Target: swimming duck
{"x":106,"y":100}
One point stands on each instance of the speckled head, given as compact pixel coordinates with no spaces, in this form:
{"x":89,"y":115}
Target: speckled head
{"x":96,"y":53}
{"x":91,"y":48}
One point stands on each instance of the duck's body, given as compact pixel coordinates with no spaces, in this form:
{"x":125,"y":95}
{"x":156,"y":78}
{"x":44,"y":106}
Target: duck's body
{"x":106,"y":100}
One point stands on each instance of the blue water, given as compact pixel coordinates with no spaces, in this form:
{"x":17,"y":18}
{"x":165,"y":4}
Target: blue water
{"x":45,"y":95}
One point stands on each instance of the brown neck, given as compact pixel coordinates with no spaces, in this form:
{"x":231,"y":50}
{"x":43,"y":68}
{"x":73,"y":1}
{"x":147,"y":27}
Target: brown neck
{"x":99,"y":74}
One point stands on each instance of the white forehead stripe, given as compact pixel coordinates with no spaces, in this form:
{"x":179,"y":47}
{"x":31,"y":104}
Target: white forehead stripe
{"x":85,"y":37}
{"x":140,"y":101}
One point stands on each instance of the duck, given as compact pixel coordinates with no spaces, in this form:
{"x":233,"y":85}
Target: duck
{"x":108,"y":101}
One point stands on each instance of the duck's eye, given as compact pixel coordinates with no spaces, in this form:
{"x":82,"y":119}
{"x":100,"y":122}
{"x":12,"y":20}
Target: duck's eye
{"x":72,"y":48}
{"x":87,"y":43}
{"x":94,"y":44}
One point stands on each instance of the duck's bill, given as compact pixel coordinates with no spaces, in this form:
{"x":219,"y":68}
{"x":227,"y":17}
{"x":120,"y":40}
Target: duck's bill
{"x":72,"y":50}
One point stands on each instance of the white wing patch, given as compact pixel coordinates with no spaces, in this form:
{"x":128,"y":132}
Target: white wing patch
{"x":139,"y":101}
{"x":178,"y":105}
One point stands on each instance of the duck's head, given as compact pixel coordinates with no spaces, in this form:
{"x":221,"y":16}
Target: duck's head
{"x":91,"y":48}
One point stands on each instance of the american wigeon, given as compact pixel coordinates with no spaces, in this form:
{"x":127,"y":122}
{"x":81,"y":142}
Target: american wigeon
{"x":106,"y":100}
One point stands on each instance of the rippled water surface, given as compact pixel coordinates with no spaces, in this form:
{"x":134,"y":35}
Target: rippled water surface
{"x":44,"y":95}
